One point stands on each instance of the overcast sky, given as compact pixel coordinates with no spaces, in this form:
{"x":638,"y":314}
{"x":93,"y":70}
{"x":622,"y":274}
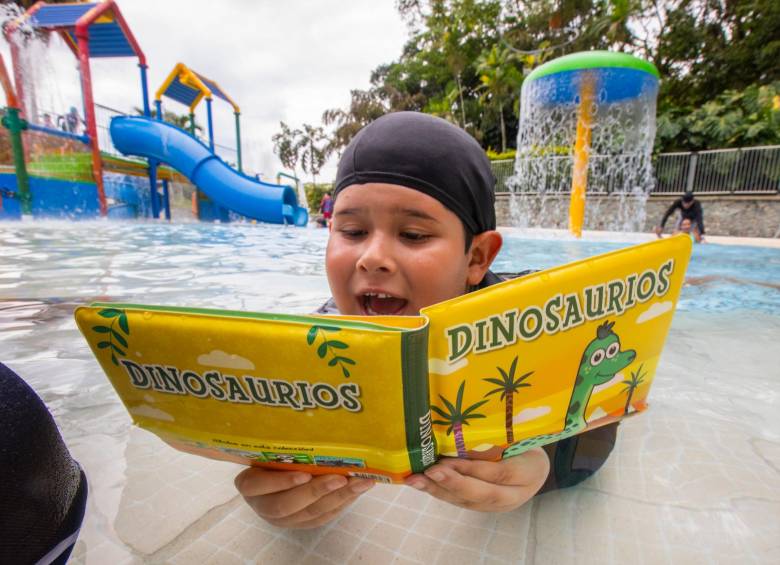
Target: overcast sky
{"x":279,"y":61}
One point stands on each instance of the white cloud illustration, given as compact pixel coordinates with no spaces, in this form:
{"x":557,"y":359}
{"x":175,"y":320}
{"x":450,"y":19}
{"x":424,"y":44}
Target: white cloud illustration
{"x":149,"y":412}
{"x":531,"y":414}
{"x":483,"y":447}
{"x":597,"y":413}
{"x":218,"y":358}
{"x":657,"y":309}
{"x":441,"y":367}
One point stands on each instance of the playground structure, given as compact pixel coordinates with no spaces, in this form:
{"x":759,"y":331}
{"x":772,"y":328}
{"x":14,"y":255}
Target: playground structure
{"x":587,"y":124}
{"x":66,"y":174}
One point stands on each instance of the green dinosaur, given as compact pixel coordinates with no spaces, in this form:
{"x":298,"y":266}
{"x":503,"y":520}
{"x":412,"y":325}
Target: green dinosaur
{"x":600,"y":362}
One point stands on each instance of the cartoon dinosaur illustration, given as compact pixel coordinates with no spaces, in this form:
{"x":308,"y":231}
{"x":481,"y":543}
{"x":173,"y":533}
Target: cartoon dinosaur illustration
{"x":600,"y":361}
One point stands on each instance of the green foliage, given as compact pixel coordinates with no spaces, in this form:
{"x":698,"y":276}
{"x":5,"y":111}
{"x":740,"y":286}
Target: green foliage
{"x":328,"y":345}
{"x":115,"y":338}
{"x":734,"y":118}
{"x":503,"y":156}
{"x":465,"y":61}
{"x":308,"y":146}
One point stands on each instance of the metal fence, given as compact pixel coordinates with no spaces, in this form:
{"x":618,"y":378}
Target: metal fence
{"x":720,"y":171}
{"x":723,"y":171}
{"x":103,"y":115}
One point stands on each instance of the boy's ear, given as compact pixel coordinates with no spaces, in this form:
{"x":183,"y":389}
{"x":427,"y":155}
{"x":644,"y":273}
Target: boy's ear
{"x":484,"y":248}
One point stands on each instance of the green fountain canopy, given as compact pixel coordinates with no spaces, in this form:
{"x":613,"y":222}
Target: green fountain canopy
{"x":619,"y":77}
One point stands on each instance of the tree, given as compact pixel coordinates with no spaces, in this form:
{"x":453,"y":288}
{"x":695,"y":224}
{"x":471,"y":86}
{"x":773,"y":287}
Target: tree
{"x":455,"y":417}
{"x":287,"y":146}
{"x":508,"y":386}
{"x":500,"y":83}
{"x":637,"y":378}
{"x":365,"y":107}
{"x":313,"y":147}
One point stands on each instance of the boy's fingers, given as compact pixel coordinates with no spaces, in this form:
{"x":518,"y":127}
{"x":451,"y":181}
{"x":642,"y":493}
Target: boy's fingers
{"x":527,"y":469}
{"x":283,"y":504}
{"x":327,"y":507}
{"x":255,"y":481}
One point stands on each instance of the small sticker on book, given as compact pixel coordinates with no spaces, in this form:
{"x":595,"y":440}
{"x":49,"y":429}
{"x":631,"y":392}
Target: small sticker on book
{"x":372,"y":476}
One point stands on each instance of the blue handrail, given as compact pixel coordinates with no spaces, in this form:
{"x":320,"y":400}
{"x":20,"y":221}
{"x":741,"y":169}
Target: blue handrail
{"x":59,"y":133}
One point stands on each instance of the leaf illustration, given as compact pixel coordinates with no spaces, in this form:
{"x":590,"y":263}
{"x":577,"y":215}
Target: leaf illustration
{"x":119,"y":338}
{"x":322,"y":350}
{"x":103,"y":344}
{"x":109,"y":313}
{"x":115,"y":348}
{"x":113,"y":359}
{"x":345,"y":371}
{"x":333,"y":362}
{"x":123,"y":323}
{"x":310,"y":337}
{"x":101,"y":329}
{"x":347,"y":360}
{"x":336,"y":344}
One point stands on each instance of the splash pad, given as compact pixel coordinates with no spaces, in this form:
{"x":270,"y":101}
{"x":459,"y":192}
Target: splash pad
{"x":587,"y":125}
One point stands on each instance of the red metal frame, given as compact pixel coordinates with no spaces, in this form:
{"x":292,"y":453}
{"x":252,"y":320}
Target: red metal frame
{"x":81,"y":51}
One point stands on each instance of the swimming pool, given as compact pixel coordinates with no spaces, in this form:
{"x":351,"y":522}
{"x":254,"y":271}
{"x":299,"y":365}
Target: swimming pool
{"x":695,"y":479}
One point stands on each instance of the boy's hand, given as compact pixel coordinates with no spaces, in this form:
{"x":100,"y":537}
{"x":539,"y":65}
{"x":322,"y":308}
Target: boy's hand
{"x":487,"y":486}
{"x":290,"y":499}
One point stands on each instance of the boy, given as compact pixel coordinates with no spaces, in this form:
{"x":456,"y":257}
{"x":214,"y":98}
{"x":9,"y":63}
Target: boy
{"x":414,"y":224}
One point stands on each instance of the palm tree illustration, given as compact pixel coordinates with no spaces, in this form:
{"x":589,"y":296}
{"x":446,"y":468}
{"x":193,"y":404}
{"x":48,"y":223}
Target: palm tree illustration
{"x":455,"y":417}
{"x":508,"y":386}
{"x":631,"y":385}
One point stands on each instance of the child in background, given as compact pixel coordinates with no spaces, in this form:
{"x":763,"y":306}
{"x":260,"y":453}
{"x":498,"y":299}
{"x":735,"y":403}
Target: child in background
{"x":414,"y":224}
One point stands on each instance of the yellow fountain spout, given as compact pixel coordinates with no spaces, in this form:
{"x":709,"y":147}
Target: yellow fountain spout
{"x":579,"y":182}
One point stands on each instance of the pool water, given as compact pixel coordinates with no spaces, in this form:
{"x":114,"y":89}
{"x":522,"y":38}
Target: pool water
{"x":696,"y":479}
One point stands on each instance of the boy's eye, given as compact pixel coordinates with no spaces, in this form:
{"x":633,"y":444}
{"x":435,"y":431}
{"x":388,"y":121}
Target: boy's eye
{"x":352,"y":232}
{"x":415,"y":236}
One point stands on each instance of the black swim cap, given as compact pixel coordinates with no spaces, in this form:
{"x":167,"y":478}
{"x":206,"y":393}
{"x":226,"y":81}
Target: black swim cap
{"x":687,"y":197}
{"x":44,"y":491}
{"x":428,"y":154}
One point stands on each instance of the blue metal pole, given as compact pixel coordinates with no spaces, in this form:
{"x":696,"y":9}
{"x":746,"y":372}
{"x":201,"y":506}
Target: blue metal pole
{"x":166,"y":200}
{"x":145,"y":90}
{"x":153,"y":188}
{"x":153,"y":170}
{"x":211,"y":125}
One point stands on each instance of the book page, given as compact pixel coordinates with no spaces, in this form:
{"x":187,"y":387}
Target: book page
{"x":552,"y":354}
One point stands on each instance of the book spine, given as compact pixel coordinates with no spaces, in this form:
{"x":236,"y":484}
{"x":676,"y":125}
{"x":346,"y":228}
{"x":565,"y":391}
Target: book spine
{"x":420,"y":441}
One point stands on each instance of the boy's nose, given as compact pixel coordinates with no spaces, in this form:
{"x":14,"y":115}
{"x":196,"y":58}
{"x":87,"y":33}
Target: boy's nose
{"x":376,"y":256}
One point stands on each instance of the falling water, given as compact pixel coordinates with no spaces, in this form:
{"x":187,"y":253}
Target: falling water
{"x":619,"y":167}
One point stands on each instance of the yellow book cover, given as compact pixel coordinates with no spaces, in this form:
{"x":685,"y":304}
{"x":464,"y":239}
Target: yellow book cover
{"x":486,"y":375}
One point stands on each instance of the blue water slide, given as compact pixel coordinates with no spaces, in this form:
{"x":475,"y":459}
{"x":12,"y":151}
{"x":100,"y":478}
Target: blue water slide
{"x":150,"y":138}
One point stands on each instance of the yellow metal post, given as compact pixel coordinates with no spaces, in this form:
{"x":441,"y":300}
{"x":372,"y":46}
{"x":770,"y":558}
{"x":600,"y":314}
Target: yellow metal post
{"x":579,"y":183}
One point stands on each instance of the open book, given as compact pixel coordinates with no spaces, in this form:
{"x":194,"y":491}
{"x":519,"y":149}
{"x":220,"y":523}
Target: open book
{"x":486,"y":375}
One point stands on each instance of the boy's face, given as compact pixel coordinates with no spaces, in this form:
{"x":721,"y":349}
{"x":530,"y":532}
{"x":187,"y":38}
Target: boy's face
{"x":394,"y":250}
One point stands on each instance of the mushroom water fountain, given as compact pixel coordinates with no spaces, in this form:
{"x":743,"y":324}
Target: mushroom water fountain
{"x":587,"y":126}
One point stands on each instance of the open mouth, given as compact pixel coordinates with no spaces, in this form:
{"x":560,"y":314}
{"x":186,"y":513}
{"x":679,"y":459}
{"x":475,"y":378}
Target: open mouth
{"x":381,"y":304}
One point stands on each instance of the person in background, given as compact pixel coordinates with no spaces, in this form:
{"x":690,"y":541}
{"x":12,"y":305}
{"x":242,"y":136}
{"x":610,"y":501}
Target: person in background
{"x":72,"y":121}
{"x":691,"y":210}
{"x":326,"y":209}
{"x":47,"y":122}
